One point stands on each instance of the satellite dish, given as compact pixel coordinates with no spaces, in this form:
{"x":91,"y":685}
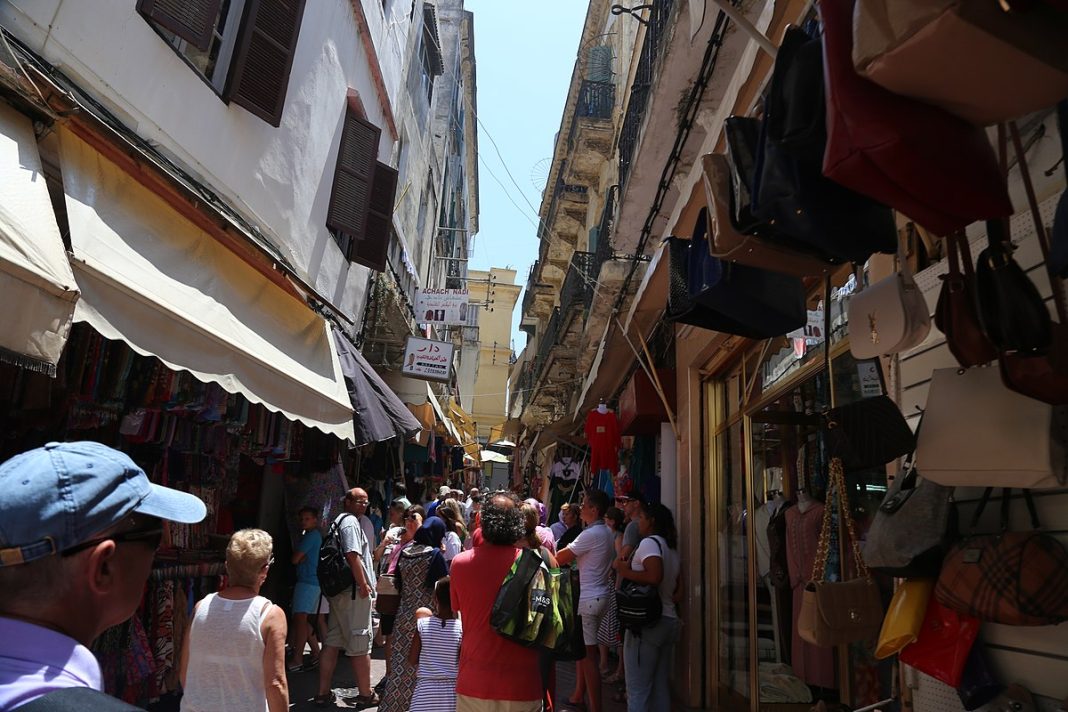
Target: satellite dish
{"x":539,"y":174}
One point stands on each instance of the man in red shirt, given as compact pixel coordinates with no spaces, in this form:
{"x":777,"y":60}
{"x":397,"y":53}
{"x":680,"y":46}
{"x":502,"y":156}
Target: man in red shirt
{"x":496,"y":675}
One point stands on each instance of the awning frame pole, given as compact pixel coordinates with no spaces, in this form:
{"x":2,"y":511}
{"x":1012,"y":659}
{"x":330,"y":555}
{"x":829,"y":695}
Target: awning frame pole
{"x":747,"y":27}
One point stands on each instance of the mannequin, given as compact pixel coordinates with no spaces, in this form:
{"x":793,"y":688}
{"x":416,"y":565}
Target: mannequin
{"x":804,"y":501}
{"x":813,"y":664}
{"x":602,"y":408}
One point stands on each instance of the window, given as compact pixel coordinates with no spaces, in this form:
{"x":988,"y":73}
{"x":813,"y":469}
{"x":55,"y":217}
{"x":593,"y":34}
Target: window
{"x":360,"y":214}
{"x":430,"y":51}
{"x":243,"y":48}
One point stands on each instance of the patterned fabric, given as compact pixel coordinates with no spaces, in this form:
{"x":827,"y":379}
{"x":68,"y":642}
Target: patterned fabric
{"x":608,"y":633}
{"x":163,"y":646}
{"x":415,"y":594}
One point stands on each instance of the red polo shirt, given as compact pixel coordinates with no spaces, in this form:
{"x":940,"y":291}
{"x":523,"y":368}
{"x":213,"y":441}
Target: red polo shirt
{"x":491,"y":667}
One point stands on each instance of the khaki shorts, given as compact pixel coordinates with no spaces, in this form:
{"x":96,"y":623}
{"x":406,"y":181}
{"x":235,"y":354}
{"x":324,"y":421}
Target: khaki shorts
{"x":475,"y":704}
{"x":592,"y":611}
{"x":350,"y":625}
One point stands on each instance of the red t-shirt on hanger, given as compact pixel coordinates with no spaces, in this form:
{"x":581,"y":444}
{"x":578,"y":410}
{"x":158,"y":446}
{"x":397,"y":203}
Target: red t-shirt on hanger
{"x":602,"y":434}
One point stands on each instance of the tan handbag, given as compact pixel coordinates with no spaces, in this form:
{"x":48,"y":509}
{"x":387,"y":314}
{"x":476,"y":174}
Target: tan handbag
{"x":726,"y":243}
{"x":968,"y":57}
{"x":387,"y":596}
{"x":889,"y":316}
{"x":978,"y":433}
{"x":839,"y":612}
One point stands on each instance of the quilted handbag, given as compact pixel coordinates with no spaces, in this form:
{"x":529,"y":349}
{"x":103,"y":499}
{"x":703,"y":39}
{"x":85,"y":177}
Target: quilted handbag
{"x":942,"y":647}
{"x":868,"y":433}
{"x":977,"y":433}
{"x":970,"y":57}
{"x":955,"y":313}
{"x":1013,"y":578}
{"x":725,"y":242}
{"x":904,"y":617}
{"x":889,"y":316}
{"x":838,"y":612}
{"x":937,"y":169}
{"x":789,"y":187}
{"x":909,"y":534}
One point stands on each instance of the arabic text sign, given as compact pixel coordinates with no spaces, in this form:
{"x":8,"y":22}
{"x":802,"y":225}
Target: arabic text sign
{"x":441,"y":306}
{"x":426,"y":359}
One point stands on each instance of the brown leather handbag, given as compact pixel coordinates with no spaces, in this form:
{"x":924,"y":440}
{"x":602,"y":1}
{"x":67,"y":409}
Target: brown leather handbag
{"x":1013,"y":578}
{"x":839,"y":612}
{"x":955,"y":313}
{"x":727,"y":243}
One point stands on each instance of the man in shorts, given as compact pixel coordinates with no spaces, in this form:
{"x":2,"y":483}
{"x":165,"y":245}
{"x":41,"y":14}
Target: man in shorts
{"x":350,"y":625}
{"x":595,"y":550}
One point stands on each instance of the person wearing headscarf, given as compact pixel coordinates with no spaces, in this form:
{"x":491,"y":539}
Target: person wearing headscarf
{"x":419,"y":567}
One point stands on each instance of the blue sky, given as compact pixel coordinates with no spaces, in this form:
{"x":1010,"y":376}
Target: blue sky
{"x":524,"y":54}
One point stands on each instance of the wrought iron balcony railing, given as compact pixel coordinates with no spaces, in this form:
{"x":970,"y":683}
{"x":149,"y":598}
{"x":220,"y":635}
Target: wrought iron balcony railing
{"x":602,"y":251}
{"x":579,"y":282}
{"x":548,"y":340}
{"x":596,"y":100}
{"x":528,"y":293}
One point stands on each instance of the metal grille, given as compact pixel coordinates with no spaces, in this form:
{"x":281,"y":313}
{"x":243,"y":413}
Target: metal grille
{"x":603,"y":251}
{"x":596,"y":100}
{"x":548,"y":339}
{"x":579,"y":282}
{"x":528,"y":294}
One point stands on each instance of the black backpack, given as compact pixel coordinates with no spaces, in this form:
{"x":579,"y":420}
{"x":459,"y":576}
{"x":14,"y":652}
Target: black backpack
{"x":638,"y":604}
{"x":333,"y":570}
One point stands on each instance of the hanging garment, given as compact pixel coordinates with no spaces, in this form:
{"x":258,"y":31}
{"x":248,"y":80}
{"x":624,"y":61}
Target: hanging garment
{"x":602,"y":434}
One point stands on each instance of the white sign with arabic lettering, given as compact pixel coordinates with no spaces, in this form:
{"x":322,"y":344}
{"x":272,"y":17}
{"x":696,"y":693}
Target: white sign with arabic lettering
{"x":426,"y":359}
{"x":442,"y":306}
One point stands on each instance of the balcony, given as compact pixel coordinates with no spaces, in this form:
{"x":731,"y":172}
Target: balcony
{"x":579,"y":283}
{"x":528,"y":294}
{"x":590,"y":139}
{"x":548,"y":340}
{"x":596,"y":100}
{"x":660,"y":14}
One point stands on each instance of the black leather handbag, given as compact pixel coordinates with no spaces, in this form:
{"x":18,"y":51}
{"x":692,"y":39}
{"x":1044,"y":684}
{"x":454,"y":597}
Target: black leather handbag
{"x":868,"y":433}
{"x":1011,"y":310}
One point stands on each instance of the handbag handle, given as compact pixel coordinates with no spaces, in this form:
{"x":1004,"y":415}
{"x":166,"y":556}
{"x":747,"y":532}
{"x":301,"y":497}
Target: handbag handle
{"x":1005,"y":504}
{"x":837,"y":485}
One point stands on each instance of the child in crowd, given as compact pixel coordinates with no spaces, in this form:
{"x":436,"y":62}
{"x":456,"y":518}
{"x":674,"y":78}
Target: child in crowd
{"x":435,"y":652}
{"x":306,"y":594}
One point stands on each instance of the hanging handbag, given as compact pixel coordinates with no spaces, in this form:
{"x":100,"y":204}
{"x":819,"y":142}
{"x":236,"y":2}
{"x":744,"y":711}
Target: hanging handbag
{"x":638,"y":604}
{"x":934,"y":167}
{"x":1058,"y":257}
{"x":1013,"y":578}
{"x":977,"y":433}
{"x":970,"y":57}
{"x":909,"y":534}
{"x":978,"y":683}
{"x":789,"y":188}
{"x":868,"y":433}
{"x":725,"y":242}
{"x":942,"y":647}
{"x":1011,"y":310}
{"x":743,"y":138}
{"x":904,"y":617}
{"x":839,"y":612}
{"x":955,"y":314}
{"x":889,"y":316}
{"x":387,"y":595}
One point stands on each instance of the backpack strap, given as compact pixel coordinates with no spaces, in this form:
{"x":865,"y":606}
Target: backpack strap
{"x":78,"y":699}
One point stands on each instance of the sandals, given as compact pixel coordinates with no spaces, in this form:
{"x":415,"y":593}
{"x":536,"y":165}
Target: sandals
{"x":324,"y":700}
{"x":372,"y":700}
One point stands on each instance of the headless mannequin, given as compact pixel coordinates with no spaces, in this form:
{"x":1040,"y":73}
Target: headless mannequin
{"x":804,"y":501}
{"x":602,"y":408}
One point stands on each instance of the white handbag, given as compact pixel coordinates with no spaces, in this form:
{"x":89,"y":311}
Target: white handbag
{"x":978,"y":433}
{"x":889,"y":316}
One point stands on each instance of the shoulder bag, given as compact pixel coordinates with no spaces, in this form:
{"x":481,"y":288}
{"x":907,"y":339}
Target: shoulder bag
{"x":639,"y":604}
{"x":955,"y":314}
{"x":978,"y":433}
{"x":889,"y":316}
{"x":969,"y":57}
{"x":868,"y":433}
{"x":936,"y":168}
{"x":942,"y":647}
{"x":838,"y":612}
{"x":387,"y":595}
{"x":1013,"y":578}
{"x":1011,"y":310}
{"x":904,"y":617}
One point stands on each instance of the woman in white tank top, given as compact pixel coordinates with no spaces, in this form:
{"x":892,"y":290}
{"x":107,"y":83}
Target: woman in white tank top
{"x":234,"y":656}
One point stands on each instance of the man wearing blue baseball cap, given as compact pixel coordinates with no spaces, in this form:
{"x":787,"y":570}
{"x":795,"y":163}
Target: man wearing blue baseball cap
{"x":79,"y":526}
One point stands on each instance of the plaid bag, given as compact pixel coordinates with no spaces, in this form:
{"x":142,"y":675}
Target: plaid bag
{"x":1014,"y":578}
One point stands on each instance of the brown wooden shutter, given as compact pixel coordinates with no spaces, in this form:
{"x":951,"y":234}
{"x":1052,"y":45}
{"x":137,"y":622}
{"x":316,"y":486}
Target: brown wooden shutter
{"x":192,"y":20}
{"x":350,"y":198}
{"x":259,"y":75}
{"x":373,"y":249}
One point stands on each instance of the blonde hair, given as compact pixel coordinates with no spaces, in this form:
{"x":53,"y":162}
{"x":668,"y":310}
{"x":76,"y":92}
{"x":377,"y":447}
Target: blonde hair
{"x":531,"y":517}
{"x":247,"y":553}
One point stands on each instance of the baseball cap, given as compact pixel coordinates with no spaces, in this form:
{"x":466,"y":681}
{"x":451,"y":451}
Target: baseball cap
{"x":62,"y":494}
{"x":444,"y":491}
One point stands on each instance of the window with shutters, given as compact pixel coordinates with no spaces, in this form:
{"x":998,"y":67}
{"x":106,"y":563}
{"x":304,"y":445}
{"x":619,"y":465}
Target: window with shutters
{"x":360,"y":214}
{"x":242,"y":48}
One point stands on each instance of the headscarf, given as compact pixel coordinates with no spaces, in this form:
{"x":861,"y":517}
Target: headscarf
{"x":543,"y":513}
{"x":430,"y":535}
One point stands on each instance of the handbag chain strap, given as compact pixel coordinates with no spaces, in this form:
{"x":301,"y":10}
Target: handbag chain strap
{"x":838,"y":485}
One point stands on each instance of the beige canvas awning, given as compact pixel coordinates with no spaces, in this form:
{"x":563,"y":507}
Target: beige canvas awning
{"x":36,"y":282}
{"x":151,"y":278}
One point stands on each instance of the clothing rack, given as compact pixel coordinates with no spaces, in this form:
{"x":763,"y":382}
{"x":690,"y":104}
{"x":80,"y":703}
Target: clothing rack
{"x":181,"y":571}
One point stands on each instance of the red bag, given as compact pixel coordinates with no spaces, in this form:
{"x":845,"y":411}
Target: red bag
{"x":946,"y":637}
{"x":937,"y":169}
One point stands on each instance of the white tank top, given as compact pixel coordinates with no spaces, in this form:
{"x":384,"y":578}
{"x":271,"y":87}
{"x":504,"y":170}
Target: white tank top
{"x":226,"y":656}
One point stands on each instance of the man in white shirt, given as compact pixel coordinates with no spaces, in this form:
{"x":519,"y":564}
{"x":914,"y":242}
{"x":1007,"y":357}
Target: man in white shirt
{"x":595,"y":550}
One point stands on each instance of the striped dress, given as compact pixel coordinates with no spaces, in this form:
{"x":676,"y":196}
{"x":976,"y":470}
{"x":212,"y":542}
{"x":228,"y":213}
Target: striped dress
{"x":435,"y":687}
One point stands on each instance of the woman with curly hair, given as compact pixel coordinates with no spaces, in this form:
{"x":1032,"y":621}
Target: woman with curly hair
{"x":455,"y":531}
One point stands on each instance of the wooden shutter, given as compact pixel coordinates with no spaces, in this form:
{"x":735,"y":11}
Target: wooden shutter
{"x":372,"y":250}
{"x":350,"y":198}
{"x":259,"y":75}
{"x":192,"y":20}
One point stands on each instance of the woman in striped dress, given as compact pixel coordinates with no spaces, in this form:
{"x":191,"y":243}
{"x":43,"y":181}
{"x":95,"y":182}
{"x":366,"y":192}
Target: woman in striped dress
{"x":435,"y":652}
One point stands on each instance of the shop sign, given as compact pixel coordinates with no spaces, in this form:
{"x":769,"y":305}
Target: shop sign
{"x":427,"y":360}
{"x":812,"y":331}
{"x":447,"y":307}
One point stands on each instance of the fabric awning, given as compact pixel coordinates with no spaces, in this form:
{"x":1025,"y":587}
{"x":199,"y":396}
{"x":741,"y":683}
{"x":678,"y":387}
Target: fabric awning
{"x":446,"y":422}
{"x":36,"y":281}
{"x":378,"y":414}
{"x":151,"y":278}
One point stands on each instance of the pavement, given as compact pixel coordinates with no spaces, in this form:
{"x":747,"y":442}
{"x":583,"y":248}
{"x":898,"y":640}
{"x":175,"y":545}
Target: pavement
{"x":303,"y":686}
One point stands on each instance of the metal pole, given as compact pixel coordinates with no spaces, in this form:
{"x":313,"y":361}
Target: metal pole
{"x":746,"y":26}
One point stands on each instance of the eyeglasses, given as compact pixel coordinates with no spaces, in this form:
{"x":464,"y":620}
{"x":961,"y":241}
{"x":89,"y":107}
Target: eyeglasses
{"x":412,"y":517}
{"x":151,"y":536}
